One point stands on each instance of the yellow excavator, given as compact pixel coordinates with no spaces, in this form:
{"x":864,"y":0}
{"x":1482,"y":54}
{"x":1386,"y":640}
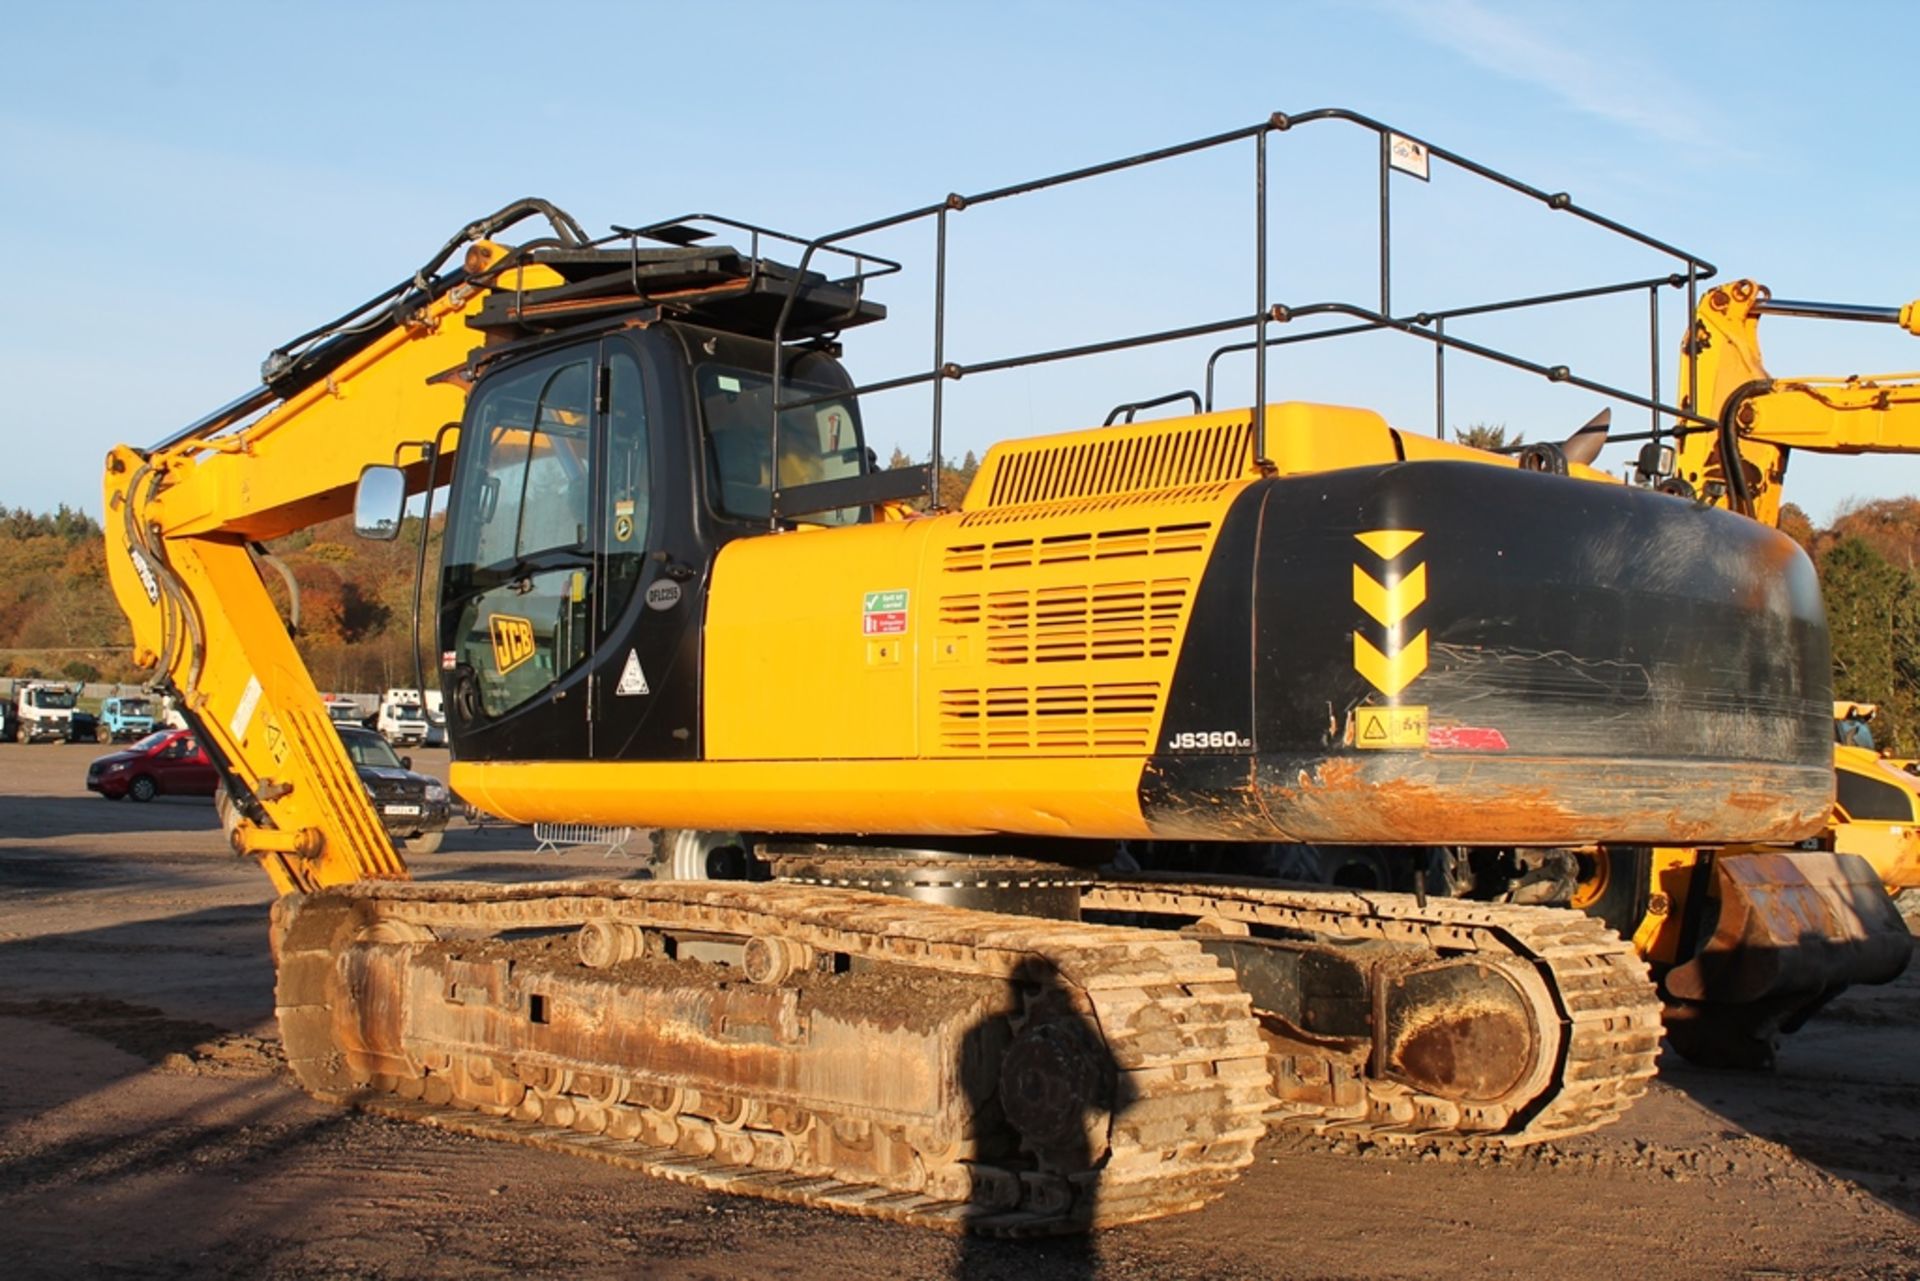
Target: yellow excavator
{"x":1876,"y":808}
{"x":923,"y":750}
{"x":1738,"y":462}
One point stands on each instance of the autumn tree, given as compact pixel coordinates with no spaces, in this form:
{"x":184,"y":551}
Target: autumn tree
{"x":954,"y":477}
{"x":1798,"y":526}
{"x":1891,"y":526}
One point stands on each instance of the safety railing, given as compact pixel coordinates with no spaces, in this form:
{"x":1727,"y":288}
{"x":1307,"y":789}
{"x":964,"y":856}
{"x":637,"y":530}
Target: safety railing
{"x":1401,"y":156}
{"x":555,"y":837}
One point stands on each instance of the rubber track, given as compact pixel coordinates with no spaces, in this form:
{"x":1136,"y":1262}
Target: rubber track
{"x":1603,"y":999}
{"x":1186,"y":1049}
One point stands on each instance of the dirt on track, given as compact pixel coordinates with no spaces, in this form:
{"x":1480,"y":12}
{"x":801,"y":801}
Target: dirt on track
{"x":147,"y":1128}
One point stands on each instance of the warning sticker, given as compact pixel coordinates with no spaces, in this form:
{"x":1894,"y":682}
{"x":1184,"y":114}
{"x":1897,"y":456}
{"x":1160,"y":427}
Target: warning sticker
{"x":884,"y":613}
{"x":1390,"y":727}
{"x":1408,"y":155}
{"x":512,"y":641}
{"x":276,"y":741}
{"x":632,"y":679}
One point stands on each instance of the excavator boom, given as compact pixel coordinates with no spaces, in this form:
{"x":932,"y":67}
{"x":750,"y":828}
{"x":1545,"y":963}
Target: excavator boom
{"x":1751,"y":941}
{"x":189,"y":519}
{"x":1761,"y":418}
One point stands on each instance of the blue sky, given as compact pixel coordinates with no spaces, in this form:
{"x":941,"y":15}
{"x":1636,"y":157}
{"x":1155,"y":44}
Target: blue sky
{"x":188,"y":185}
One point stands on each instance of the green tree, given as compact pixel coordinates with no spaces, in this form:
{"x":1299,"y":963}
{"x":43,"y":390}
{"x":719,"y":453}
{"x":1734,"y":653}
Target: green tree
{"x":1490,"y":436}
{"x":1873,"y":612}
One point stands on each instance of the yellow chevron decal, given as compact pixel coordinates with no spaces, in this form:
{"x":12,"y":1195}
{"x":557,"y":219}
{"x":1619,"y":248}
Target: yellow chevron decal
{"x":1388,"y":543}
{"x":1390,"y":675}
{"x":1390,"y":605}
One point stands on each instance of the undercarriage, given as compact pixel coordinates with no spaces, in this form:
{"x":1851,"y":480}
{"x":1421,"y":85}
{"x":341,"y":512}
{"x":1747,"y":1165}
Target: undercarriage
{"x":948,"y":1066}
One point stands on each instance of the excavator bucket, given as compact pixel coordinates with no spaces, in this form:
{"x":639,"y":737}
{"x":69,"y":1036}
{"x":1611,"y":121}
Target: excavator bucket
{"x":1794,"y":929}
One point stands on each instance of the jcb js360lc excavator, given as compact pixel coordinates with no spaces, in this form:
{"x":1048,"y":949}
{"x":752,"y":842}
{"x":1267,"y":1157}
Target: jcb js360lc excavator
{"x":675,"y":595}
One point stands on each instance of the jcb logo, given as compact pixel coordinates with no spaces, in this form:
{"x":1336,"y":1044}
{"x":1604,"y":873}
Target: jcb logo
{"x":512,"y":641}
{"x":1388,"y":600}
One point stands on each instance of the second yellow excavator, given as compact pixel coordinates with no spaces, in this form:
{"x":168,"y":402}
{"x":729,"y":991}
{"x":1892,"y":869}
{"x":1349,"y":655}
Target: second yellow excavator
{"x":1721,"y":1010}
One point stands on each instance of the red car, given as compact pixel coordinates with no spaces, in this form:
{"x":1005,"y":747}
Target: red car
{"x":169,"y":762}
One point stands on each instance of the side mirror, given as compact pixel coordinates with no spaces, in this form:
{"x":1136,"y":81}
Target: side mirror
{"x":379,"y":502}
{"x":406,"y":762}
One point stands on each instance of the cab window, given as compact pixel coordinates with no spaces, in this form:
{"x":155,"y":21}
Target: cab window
{"x":1869,"y":798}
{"x":522,"y":528}
{"x":533,"y":495}
{"x":817,"y":442}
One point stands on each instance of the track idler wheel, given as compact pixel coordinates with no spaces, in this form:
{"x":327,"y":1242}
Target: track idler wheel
{"x":1463,"y":1030}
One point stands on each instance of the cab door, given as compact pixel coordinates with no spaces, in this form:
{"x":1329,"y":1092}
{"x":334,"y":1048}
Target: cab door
{"x":570,"y":592}
{"x":516,"y":620}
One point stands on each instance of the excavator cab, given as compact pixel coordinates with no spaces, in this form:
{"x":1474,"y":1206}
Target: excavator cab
{"x":601,"y":467}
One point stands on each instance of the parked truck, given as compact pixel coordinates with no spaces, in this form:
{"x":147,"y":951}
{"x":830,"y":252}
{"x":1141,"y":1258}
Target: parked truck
{"x":402,"y":719}
{"x":125,"y":718}
{"x":42,"y":711}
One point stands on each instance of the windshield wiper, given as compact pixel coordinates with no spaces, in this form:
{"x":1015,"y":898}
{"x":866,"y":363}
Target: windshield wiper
{"x":484,"y":578}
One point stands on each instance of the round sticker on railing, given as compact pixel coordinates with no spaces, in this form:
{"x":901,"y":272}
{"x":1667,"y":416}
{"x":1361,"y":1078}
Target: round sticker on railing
{"x":664,"y":594}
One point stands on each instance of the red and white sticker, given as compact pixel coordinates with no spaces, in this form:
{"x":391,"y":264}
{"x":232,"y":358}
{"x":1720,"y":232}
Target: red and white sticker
{"x":884,"y":613}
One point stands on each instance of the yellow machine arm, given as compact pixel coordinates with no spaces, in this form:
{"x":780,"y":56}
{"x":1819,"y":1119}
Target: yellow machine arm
{"x":1763,"y":419}
{"x":1765,"y":907}
{"x":183,"y":522}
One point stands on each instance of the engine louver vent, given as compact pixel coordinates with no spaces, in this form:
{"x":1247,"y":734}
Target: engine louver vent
{"x":1106,"y":719}
{"x":1074,"y":623}
{"x":1062,"y":549}
{"x":1117,"y":460}
{"x":1194,"y":494}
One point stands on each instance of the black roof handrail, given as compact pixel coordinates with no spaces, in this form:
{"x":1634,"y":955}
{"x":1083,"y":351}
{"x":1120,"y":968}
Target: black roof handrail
{"x":1399,"y":151}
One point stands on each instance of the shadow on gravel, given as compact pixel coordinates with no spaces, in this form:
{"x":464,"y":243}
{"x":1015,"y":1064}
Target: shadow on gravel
{"x":182,"y":1144}
{"x":153,"y":987}
{"x":1844,"y":1094}
{"x":89,"y":815}
{"x":29,"y":870}
{"x":106,"y":1202}
{"x":56,"y":843}
{"x":148,"y":1033}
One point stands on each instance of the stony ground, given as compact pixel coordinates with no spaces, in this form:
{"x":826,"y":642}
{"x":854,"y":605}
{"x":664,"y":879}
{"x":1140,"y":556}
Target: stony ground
{"x":146,"y":1129}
